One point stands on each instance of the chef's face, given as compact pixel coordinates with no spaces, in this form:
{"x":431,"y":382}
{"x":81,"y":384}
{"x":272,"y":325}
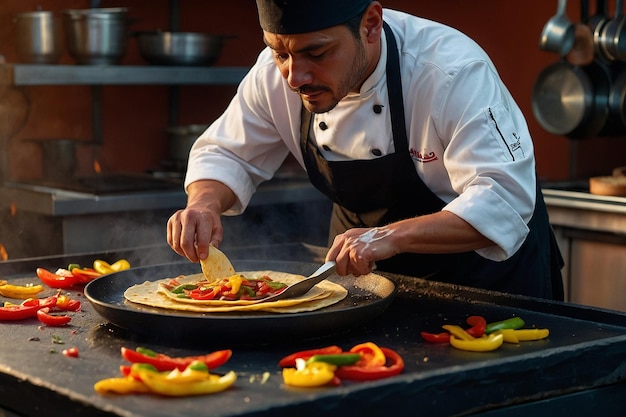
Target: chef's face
{"x":322,"y":67}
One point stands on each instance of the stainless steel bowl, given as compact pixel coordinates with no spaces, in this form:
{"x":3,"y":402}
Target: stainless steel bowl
{"x":179,"y":48}
{"x":97,"y":36}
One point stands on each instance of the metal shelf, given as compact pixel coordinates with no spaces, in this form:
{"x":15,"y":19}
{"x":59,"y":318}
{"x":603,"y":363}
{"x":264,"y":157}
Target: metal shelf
{"x":27,"y":74}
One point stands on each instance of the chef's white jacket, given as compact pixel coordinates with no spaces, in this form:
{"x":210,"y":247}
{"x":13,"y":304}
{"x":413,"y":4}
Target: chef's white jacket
{"x":468,"y":138}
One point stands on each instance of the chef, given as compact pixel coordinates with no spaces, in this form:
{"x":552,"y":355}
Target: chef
{"x":405,"y":125}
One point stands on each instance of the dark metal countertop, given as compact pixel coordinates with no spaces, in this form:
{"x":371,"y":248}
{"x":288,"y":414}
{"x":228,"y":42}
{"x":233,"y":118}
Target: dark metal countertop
{"x":59,"y":202}
{"x":584,"y":353}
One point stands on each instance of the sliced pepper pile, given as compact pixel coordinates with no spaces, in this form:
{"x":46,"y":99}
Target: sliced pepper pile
{"x":234,"y":287}
{"x":156,"y":373}
{"x":42,"y":308}
{"x":195,"y":379}
{"x":483,"y":336}
{"x":74,"y":274}
{"x":329,"y":365}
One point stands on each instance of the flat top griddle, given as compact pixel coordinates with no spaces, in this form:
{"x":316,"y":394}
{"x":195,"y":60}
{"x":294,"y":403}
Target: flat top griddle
{"x":585,"y":350}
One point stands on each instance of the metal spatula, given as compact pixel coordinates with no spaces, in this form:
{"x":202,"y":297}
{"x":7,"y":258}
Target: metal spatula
{"x":302,"y":287}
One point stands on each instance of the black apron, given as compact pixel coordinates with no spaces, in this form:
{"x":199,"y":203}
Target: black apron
{"x":371,"y":193}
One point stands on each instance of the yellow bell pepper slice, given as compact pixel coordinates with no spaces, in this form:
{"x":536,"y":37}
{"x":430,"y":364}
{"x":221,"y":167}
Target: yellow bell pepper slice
{"x":20,"y":291}
{"x":189,"y":374}
{"x":160,"y":384}
{"x":458,"y":332}
{"x":105,"y":268}
{"x":520,"y":335}
{"x":314,"y":374}
{"x":120,"y":386}
{"x":482,"y":344}
{"x":120,"y":265}
{"x":234,"y":282}
{"x":102,"y":266}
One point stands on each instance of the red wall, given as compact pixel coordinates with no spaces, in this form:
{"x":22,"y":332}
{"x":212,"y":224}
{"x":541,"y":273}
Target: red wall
{"x":135,"y":117}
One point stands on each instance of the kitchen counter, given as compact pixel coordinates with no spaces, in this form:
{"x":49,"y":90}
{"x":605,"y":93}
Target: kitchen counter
{"x":59,"y":202}
{"x":580,"y":369}
{"x":601,"y":213}
{"x":591,"y":232}
{"x":282,"y":210}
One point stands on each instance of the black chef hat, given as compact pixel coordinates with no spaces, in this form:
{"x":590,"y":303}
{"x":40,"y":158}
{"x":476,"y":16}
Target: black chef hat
{"x":302,"y":16}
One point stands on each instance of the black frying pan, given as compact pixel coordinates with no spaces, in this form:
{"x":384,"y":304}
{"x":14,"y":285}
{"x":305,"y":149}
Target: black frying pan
{"x":367,"y":298}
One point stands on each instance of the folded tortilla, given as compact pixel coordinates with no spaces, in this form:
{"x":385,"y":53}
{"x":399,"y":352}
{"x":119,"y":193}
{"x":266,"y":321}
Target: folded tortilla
{"x":154,"y":294}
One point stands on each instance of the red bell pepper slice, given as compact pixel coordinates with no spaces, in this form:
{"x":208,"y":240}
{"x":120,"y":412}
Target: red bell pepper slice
{"x":478,"y":324}
{"x":85,"y":275}
{"x":443,"y":337}
{"x":199,"y":294}
{"x":44,"y":316}
{"x":56,"y":281}
{"x":167,"y":363}
{"x":18,"y":312}
{"x":27,"y":309}
{"x":289,"y":361}
{"x":393,"y":366}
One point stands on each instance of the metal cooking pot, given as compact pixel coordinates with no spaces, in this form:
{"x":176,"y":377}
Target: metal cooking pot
{"x":571,"y":100}
{"x":38,"y":37}
{"x":97,"y":36}
{"x":58,"y":157}
{"x":180,"y":141}
{"x":180,"y":48}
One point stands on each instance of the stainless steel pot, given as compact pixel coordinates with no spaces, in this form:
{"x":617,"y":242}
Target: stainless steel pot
{"x":97,"y":36}
{"x":38,"y":37}
{"x":58,"y":158}
{"x":180,"y":141}
{"x":180,"y":48}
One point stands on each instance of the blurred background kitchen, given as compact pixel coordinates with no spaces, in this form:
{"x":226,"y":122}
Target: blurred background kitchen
{"x":93,"y":147}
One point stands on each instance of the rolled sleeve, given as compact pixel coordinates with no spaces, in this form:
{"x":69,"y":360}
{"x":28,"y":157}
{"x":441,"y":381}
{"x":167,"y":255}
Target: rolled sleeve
{"x":494,"y":218}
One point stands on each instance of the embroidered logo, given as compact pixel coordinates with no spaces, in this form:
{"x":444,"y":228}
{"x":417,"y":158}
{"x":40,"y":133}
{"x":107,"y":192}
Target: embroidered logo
{"x":515,"y":145}
{"x":423,"y":156}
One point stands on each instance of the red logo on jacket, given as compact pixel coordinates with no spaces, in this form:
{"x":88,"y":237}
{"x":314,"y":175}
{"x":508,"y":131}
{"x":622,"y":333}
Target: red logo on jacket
{"x":423,"y":156}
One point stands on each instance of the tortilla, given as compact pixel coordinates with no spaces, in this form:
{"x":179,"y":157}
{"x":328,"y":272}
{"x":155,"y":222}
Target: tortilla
{"x":152,"y":293}
{"x":216,"y":265}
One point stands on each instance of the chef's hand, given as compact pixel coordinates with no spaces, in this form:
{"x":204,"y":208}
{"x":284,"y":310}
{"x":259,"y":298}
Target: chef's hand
{"x":192,"y":230}
{"x":356,"y":251}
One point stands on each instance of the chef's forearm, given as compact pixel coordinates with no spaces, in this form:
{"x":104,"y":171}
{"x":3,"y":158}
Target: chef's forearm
{"x":442,"y":232}
{"x":210,"y":194}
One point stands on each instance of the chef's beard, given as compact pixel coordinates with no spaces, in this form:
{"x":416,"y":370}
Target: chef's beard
{"x":351,"y":82}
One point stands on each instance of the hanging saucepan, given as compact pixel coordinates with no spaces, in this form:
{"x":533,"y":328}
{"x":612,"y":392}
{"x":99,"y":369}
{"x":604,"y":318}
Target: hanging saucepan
{"x":582,"y":52}
{"x":558,"y":33}
{"x":613,"y":35}
{"x":571,"y":100}
{"x":597,"y":23}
